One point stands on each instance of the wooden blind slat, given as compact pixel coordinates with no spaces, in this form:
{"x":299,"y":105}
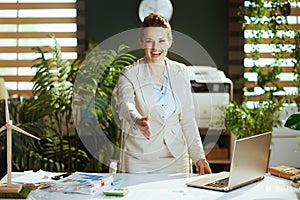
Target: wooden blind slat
{"x":269,"y":55}
{"x":280,"y":83}
{"x":18,"y":63}
{"x":265,"y":69}
{"x":36,"y":34}
{"x":292,"y":27}
{"x":13,"y":6}
{"x":17,"y":78}
{"x":295,"y":12}
{"x":259,"y":97}
{"x":270,"y":41}
{"x":254,"y":98}
{"x":48,"y":20}
{"x":29,"y":49}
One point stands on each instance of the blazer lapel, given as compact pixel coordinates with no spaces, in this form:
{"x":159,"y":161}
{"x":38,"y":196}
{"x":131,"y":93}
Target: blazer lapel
{"x":145,"y":84}
{"x":174,"y":77}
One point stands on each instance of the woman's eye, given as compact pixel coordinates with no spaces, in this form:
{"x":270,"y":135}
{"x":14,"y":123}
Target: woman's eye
{"x":162,"y":41}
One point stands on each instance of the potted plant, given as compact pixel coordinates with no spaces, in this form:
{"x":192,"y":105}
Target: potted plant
{"x":92,"y":98}
{"x":243,"y":121}
{"x":54,"y":87}
{"x":49,"y":113}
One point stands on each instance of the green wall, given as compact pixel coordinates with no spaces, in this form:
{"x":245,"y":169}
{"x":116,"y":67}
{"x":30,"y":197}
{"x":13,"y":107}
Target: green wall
{"x":204,"y":21}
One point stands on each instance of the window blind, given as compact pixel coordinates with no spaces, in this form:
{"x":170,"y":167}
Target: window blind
{"x":25,"y":24}
{"x":241,"y":61}
{"x":267,"y":49}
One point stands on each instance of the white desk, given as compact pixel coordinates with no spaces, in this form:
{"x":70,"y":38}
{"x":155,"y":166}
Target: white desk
{"x":162,"y":186}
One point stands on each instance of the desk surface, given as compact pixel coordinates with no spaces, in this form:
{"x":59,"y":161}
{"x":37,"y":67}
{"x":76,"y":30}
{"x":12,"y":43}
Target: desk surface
{"x":163,"y":186}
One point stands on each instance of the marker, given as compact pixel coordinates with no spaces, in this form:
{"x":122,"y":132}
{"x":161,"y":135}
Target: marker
{"x":117,"y":182}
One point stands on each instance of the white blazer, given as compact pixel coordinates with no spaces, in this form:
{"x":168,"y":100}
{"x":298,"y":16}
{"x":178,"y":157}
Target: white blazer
{"x":179,"y":132}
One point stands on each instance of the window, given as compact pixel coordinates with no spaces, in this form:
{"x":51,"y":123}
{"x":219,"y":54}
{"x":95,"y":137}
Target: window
{"x":267,"y":49}
{"x":240,"y":46}
{"x":28,"y":23}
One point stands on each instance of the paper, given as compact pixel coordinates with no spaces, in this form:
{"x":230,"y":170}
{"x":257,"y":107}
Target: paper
{"x":35,"y":177}
{"x":84,"y":183}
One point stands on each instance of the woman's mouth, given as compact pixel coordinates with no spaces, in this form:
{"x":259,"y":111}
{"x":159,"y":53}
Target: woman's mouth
{"x":156,"y":53}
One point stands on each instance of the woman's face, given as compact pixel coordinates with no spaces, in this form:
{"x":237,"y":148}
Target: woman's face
{"x":155,"y":41}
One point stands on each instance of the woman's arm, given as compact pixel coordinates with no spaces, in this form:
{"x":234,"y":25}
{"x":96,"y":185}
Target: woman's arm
{"x":126,"y":99}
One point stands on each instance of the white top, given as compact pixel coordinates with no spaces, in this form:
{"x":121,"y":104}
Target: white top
{"x":164,"y":100}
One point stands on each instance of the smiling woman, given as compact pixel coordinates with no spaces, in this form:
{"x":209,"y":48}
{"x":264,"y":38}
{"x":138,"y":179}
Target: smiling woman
{"x":156,"y":106}
{"x":25,"y":24}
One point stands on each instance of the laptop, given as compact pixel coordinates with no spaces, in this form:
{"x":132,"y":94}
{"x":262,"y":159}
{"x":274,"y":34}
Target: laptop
{"x":249,"y":164}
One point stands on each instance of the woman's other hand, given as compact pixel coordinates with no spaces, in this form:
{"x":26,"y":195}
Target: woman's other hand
{"x":202,"y":167}
{"x":144,"y":126}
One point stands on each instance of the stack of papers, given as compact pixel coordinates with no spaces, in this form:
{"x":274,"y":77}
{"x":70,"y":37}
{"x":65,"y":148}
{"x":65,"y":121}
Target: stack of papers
{"x":84,"y":183}
{"x":34,"y":177}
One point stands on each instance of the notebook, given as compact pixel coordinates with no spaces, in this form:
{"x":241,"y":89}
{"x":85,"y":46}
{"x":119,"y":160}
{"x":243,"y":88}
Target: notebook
{"x":249,"y":164}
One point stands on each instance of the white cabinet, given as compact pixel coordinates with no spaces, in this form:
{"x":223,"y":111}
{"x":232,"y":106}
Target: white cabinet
{"x":284,"y":148}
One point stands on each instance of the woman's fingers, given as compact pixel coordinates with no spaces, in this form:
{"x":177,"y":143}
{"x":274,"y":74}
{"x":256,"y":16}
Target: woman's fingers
{"x":146,"y":132}
{"x":144,"y":126}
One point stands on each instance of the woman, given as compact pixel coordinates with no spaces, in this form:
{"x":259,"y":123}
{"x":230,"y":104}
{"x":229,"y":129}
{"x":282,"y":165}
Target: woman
{"x":155,"y":102}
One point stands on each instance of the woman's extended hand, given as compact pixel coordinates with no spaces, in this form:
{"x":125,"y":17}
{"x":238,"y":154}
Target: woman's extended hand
{"x":202,"y":167}
{"x":144,"y":126}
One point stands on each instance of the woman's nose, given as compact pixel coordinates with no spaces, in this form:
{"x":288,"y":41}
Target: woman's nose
{"x":154,"y":45}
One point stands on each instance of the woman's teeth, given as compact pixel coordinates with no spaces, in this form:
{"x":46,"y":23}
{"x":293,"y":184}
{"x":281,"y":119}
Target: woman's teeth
{"x":156,"y":53}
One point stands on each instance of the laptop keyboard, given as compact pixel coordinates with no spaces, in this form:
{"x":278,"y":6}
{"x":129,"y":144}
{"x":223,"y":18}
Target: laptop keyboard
{"x":219,"y":183}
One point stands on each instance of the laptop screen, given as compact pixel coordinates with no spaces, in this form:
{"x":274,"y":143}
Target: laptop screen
{"x":250,"y":159}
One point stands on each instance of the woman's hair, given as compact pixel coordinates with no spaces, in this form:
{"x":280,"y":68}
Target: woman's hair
{"x":155,"y":20}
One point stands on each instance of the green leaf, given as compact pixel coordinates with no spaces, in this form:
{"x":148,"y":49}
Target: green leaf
{"x":293,"y":122}
{"x":122,"y":47}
